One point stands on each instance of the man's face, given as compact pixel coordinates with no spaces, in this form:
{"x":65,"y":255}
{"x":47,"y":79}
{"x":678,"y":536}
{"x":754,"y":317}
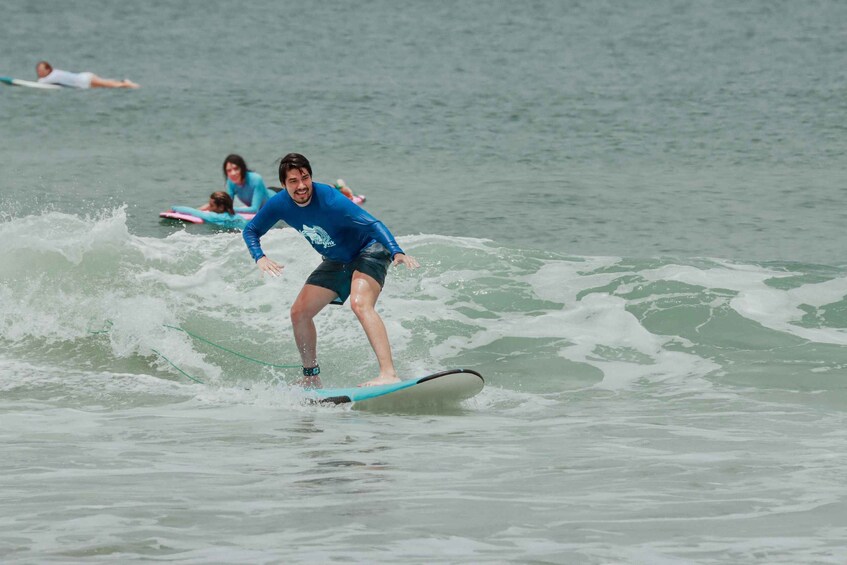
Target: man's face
{"x":298,"y":184}
{"x":41,"y":71}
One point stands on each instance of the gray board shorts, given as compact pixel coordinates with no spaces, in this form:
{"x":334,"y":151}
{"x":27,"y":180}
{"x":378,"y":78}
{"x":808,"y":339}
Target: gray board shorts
{"x":336,"y":276}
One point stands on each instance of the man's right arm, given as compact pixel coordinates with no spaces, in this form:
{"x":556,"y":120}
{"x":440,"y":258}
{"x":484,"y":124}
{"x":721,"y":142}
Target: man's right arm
{"x":259,"y":226}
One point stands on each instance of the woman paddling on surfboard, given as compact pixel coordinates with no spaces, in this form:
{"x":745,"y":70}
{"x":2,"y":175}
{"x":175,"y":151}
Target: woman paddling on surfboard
{"x":356,"y":248}
{"x":218,"y":211}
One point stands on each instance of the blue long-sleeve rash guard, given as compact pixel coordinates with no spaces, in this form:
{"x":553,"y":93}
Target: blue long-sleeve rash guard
{"x":253,"y":192}
{"x":337,"y":229}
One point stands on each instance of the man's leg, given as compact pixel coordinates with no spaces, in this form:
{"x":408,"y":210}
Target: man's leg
{"x":309,"y":302}
{"x":99,"y":82}
{"x":364,"y":291}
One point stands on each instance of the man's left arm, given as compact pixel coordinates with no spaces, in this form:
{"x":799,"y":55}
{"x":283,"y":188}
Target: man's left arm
{"x":379,"y":232}
{"x":398,"y":257}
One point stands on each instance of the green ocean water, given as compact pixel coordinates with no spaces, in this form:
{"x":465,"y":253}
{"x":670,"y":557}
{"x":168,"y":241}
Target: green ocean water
{"x":629,"y":218}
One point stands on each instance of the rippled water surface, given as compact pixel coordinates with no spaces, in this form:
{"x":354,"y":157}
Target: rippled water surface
{"x":630,"y":220}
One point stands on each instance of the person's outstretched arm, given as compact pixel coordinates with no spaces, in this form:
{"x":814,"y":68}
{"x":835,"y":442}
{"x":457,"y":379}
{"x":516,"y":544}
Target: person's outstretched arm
{"x":264,"y":220}
{"x":381,"y":233}
{"x":202,"y":214}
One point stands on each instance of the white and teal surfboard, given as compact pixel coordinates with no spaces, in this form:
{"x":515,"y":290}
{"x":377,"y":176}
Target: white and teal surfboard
{"x":444,"y":389}
{"x":29,"y":83}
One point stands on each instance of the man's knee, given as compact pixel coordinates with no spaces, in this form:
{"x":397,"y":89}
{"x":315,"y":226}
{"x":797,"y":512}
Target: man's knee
{"x":300,"y":313}
{"x":361,"y":307}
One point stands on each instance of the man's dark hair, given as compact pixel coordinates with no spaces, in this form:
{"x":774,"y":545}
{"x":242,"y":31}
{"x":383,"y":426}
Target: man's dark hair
{"x":239,"y":162}
{"x":292,"y":161}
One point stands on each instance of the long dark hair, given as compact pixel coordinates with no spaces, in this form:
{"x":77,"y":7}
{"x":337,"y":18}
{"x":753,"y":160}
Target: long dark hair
{"x":239,"y":162}
{"x":292,"y":161}
{"x":223,"y":199}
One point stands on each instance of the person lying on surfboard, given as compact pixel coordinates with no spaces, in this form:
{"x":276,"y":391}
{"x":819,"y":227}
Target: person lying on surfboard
{"x":247,"y":185}
{"x":345,"y":190}
{"x":218,"y":211}
{"x":356,"y":249}
{"x":48,"y":75}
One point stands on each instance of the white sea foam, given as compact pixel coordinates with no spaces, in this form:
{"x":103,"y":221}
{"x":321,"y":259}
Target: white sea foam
{"x":780,"y":310}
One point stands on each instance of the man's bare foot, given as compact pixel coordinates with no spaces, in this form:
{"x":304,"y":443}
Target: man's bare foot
{"x":381,"y":381}
{"x":310,"y":382}
{"x":129,"y":84}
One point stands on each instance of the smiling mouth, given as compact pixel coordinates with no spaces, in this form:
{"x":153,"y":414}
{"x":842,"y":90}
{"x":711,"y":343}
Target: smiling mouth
{"x":302,"y":195}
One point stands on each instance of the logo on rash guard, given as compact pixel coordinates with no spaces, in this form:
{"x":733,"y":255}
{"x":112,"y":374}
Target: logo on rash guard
{"x":317,"y":236}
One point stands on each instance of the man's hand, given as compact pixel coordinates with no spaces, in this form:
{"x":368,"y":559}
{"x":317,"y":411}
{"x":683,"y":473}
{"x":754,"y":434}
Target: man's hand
{"x":409,"y":261}
{"x":268,"y":266}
